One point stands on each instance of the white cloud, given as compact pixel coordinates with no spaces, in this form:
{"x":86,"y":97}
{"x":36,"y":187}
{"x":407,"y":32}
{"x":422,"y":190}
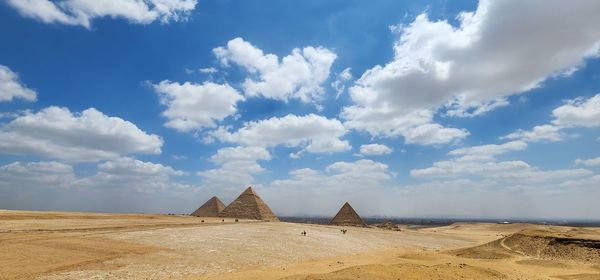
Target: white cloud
{"x":129,"y":166}
{"x":36,"y":174}
{"x":83,"y":12}
{"x":479,"y":162}
{"x":512,"y":172}
{"x":11,"y":87}
{"x":122,"y":185}
{"x":310,"y":192}
{"x":340,"y":82}
{"x":585,"y":183}
{"x":87,"y":136}
{"x":579,"y":112}
{"x":194,"y":106}
{"x":489,"y":150}
{"x":132,"y":175}
{"x":416,"y":127}
{"x":231,"y":154}
{"x":539,"y":133}
{"x":298,"y":75}
{"x":123,"y":174}
{"x":471,"y":69}
{"x":375,"y":149}
{"x":433,"y":133}
{"x":237,"y":165}
{"x":313,"y":133}
{"x":208,"y":70}
{"x":588,"y":162}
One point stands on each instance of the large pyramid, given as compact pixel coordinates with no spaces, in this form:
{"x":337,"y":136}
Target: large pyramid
{"x":210,"y":208}
{"x":347,"y":217}
{"x":249,"y":206}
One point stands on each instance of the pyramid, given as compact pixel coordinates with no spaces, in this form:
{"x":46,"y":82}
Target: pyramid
{"x":210,"y":208}
{"x":347,"y":217}
{"x":249,"y":206}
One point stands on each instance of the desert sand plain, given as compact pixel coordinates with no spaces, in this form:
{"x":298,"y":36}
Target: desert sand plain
{"x":65,"y":245}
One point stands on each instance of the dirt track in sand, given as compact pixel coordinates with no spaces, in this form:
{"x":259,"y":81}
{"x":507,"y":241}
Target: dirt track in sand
{"x":55,"y":245}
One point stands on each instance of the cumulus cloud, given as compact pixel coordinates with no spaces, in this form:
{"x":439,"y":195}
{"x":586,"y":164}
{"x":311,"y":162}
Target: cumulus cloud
{"x":120,"y":185}
{"x":472,"y":68}
{"x":539,"y":133}
{"x":298,"y":75}
{"x":233,"y":154}
{"x":55,"y":132}
{"x":489,"y":150}
{"x":132,"y":175}
{"x":416,"y":127}
{"x":83,"y":12}
{"x":312,"y":133}
{"x":194,"y":106}
{"x":237,"y":166}
{"x":36,"y":174}
{"x":579,"y":112}
{"x":480,"y":162}
{"x":12,"y":88}
{"x":588,"y":162}
{"x":374,"y":149}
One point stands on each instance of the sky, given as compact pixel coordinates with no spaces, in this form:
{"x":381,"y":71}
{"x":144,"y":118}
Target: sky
{"x":456,"y":109}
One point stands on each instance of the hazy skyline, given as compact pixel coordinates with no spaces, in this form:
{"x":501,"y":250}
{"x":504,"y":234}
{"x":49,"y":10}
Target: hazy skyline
{"x":484,"y":109}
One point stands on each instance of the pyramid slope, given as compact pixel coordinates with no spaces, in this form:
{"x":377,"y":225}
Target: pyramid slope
{"x":249,"y":206}
{"x":347,"y":217}
{"x":211,"y":208}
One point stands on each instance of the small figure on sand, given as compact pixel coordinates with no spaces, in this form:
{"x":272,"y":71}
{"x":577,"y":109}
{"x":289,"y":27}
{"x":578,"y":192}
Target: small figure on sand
{"x":344,"y":231}
{"x":303,"y":233}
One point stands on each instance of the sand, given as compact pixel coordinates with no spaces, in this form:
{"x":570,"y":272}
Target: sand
{"x":60,"y":245}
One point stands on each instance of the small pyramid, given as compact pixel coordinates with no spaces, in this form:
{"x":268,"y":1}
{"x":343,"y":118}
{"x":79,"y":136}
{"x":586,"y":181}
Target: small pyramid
{"x":210,"y":208}
{"x":347,"y":217}
{"x":249,"y":206}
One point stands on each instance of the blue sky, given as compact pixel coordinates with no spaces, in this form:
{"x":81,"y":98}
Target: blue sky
{"x":412,"y":108}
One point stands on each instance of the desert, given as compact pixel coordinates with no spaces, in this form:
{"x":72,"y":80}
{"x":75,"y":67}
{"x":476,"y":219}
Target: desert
{"x":70,"y":245}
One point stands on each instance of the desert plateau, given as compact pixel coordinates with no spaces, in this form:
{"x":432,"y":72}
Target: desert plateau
{"x":67,"y":245}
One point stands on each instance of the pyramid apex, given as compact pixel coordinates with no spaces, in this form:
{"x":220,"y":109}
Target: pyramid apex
{"x":249,"y":190}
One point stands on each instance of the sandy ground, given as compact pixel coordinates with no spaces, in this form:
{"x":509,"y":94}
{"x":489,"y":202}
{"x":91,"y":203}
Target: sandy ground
{"x":58,"y":245}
